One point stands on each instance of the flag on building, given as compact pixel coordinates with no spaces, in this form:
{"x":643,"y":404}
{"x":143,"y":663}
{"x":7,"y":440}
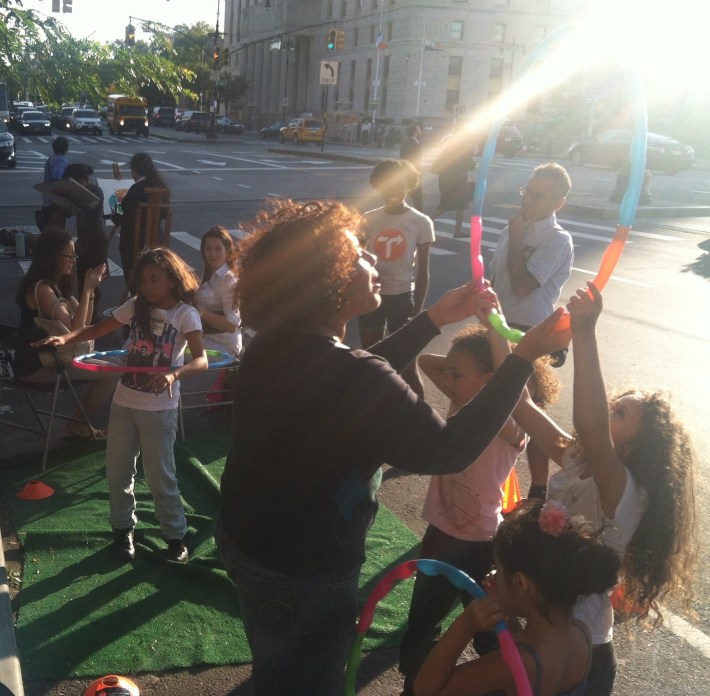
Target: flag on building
{"x":380,"y":42}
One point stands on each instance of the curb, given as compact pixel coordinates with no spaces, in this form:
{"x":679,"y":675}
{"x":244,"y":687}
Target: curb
{"x":324,"y":155}
{"x":611,"y":211}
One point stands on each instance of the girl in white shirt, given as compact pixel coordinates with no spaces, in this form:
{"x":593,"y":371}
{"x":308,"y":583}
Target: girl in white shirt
{"x":215,"y":297}
{"x":628,"y":469}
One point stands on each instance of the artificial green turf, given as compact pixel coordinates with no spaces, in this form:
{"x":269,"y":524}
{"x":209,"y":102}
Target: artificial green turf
{"x":81,"y":614}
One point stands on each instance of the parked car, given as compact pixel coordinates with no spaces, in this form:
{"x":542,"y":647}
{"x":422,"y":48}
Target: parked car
{"x":227,"y":125}
{"x":271,"y":132}
{"x":7,"y":146}
{"x":611,"y":149}
{"x":84,"y":120}
{"x":33,"y":122}
{"x":163,"y":116}
{"x":195,"y":121}
{"x":302,"y":130}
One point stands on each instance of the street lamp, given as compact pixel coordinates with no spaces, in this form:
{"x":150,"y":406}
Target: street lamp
{"x":288,"y":46}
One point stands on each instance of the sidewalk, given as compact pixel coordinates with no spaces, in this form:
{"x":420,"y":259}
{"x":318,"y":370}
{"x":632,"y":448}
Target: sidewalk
{"x":665,"y":202}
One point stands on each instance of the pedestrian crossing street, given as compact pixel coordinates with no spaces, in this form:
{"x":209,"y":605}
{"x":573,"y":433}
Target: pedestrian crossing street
{"x":187,"y":244}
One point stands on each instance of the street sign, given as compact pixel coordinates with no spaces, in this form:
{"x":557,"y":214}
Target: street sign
{"x":329,"y":72}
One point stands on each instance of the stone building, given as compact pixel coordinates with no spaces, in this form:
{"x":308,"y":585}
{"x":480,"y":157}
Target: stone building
{"x":435,"y":62}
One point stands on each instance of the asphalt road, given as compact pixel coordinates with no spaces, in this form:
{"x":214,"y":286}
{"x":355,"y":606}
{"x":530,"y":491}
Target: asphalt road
{"x":654,"y":331}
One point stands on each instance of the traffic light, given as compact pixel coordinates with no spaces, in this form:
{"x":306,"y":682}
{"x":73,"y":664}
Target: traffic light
{"x":332,"y":39}
{"x":225,"y":58}
{"x":339,"y":39}
{"x":130,"y":35}
{"x":216,"y":58}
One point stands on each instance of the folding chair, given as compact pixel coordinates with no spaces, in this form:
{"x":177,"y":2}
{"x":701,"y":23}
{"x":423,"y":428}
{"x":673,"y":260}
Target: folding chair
{"x":149,"y":217}
{"x":192,"y":403}
{"x":11,"y":338}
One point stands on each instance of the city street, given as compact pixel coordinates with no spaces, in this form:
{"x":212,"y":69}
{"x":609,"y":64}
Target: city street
{"x":655,"y":330}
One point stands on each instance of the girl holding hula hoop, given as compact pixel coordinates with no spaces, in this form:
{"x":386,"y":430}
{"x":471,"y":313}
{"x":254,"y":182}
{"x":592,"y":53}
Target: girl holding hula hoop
{"x":628,"y":470}
{"x":544,"y":560}
{"x":162,"y":321}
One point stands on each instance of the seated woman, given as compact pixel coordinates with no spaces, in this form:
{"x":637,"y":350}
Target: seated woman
{"x":146,"y":177}
{"x":215,"y":298}
{"x":46,"y":292}
{"x":91,"y":237}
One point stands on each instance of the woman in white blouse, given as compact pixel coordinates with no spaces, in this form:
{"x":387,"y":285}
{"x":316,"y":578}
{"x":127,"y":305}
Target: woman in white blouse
{"x":215,"y":298}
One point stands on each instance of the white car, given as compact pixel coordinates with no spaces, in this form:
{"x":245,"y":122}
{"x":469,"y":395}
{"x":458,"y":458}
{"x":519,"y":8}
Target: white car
{"x":84,"y":120}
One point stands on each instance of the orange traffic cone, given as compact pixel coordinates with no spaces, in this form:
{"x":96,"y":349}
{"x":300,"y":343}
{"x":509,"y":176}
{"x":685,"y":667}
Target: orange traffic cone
{"x":35,"y":490}
{"x":511,"y":492}
{"x":112,"y":684}
{"x":621,"y":603}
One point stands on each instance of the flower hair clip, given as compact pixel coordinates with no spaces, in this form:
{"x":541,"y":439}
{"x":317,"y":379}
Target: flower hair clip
{"x":554,"y":518}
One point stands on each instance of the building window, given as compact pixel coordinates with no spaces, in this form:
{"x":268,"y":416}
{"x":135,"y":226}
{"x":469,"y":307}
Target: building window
{"x":375,"y":4}
{"x":390,"y":27}
{"x":497,"y":68}
{"x":372,"y":33}
{"x":457,"y":31}
{"x":343,"y":8}
{"x":358,"y":7}
{"x":453,"y":87}
{"x":356,"y":36}
{"x":498,"y":33}
{"x":351,"y":89}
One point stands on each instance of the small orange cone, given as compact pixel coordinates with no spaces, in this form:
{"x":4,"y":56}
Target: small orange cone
{"x":511,"y":492}
{"x":622,"y":604}
{"x":112,"y":685}
{"x":35,"y":490}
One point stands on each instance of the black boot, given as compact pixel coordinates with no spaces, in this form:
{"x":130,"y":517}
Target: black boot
{"x":122,"y":548}
{"x":177,"y":551}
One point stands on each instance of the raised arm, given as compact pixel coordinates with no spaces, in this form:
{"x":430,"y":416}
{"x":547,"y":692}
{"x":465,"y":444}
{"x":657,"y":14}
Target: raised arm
{"x":440,"y":674}
{"x":549,"y":436}
{"x":591,"y":405}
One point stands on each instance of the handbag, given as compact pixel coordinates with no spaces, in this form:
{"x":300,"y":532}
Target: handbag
{"x":54,"y":327}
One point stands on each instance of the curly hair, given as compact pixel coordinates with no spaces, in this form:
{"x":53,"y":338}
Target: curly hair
{"x":544,"y":384}
{"x":178,"y":271}
{"x":661,"y":556}
{"x":46,"y":264}
{"x":295,"y":266}
{"x":563,"y":566}
{"x":221,"y":235}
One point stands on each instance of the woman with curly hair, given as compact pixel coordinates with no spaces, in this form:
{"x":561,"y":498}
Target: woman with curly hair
{"x":313,"y":422}
{"x":628,"y":470}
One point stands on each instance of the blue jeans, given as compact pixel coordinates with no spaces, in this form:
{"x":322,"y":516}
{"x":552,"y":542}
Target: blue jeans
{"x":152,"y":434}
{"x":300,"y":630}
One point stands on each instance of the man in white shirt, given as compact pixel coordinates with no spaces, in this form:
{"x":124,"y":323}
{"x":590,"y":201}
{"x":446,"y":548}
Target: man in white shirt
{"x":532,"y":261}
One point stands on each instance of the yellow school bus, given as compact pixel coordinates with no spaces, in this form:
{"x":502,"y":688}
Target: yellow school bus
{"x":127,"y":114}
